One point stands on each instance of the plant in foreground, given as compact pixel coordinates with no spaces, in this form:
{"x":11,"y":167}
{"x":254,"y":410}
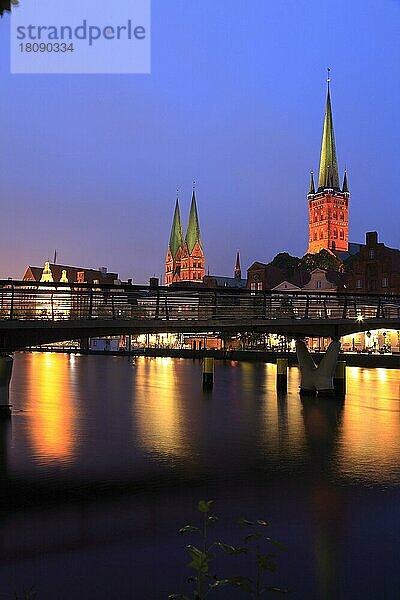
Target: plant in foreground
{"x":256,"y":544}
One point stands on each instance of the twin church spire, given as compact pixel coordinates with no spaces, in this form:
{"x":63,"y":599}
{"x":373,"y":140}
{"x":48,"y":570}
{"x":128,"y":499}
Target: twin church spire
{"x":185,"y":259}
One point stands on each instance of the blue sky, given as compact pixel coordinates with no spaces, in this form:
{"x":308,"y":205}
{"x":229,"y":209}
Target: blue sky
{"x":89,"y":165}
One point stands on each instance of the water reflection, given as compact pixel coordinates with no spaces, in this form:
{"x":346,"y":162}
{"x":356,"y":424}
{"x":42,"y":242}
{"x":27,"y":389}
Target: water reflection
{"x":159,"y":410}
{"x":370,"y":436}
{"x":50,"y":405}
{"x":322,"y":423}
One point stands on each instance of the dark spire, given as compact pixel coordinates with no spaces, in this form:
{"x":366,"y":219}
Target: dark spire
{"x":238,"y":269}
{"x":176,"y":238}
{"x":312,"y":185}
{"x":328,"y":168}
{"x":193,"y":230}
{"x":345,"y":188}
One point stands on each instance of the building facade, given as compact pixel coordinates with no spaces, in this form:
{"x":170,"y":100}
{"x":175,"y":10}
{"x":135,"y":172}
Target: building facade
{"x":52,"y":273}
{"x":375,"y":268}
{"x":185,"y":260}
{"x":328,"y":205}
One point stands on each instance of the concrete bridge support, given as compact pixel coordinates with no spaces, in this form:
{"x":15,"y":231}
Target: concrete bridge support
{"x":6,"y":365}
{"x":317,"y":378}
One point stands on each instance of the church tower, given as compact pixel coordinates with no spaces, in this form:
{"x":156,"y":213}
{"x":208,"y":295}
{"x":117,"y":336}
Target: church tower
{"x":329,"y":204}
{"x":193,"y":260}
{"x":238,"y":269}
{"x":175,"y":247}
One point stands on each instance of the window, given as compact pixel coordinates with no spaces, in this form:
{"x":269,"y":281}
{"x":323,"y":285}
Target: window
{"x":358,"y":284}
{"x":371,"y":254}
{"x":385,"y":282}
{"x":321,"y":235}
{"x":341,"y":234}
{"x":315,"y":236}
{"x":318,"y":284}
{"x":333,"y":245}
{"x":335,"y":235}
{"x":259,"y":286}
{"x":80,"y":277}
{"x":341,"y":216}
{"x":335,"y":216}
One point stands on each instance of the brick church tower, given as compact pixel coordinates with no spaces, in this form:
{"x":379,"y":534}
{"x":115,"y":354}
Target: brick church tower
{"x":329,"y":205}
{"x":185,"y":260}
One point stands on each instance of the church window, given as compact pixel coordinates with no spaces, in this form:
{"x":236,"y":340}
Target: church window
{"x":335,"y":234}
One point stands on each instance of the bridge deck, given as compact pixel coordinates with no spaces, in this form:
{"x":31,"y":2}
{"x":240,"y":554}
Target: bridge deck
{"x":33,"y":314}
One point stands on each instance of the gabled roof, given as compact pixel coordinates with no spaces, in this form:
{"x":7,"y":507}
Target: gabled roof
{"x":90,"y":275}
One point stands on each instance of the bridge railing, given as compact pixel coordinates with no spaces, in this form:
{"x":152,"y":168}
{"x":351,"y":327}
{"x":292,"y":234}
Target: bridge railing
{"x":57,"y":302}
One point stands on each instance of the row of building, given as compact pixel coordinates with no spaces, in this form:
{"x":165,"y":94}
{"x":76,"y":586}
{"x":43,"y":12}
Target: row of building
{"x":371,"y":267}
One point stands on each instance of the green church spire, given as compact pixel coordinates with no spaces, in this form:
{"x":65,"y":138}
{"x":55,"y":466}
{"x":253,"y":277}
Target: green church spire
{"x":328,"y":169}
{"x":176,"y":238}
{"x":193,"y":230}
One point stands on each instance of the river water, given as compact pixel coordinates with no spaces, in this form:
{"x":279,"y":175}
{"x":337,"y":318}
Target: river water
{"x":106,"y":458}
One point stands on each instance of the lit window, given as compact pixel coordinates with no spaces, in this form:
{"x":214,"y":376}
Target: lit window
{"x":372,"y":253}
{"x":385,"y":282}
{"x":358,"y":283}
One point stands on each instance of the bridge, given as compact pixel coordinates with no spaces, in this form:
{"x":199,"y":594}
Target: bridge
{"x":41,"y":313}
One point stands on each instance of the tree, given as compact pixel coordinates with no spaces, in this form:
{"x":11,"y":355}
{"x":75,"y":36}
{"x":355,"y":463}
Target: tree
{"x":323,"y":260}
{"x":285,"y":261}
{"x":5,"y":6}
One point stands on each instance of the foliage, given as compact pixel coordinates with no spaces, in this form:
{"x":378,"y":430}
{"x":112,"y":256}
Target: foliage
{"x":256,"y":545}
{"x":5,"y":5}
{"x":285,"y":261}
{"x":323,"y":260}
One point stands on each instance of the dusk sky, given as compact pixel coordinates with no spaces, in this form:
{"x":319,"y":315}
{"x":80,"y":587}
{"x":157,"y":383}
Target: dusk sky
{"x":89,"y":164}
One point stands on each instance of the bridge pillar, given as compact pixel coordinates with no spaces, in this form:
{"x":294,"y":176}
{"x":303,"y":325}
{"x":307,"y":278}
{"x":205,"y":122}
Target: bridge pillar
{"x":317,"y":378}
{"x":6,"y":365}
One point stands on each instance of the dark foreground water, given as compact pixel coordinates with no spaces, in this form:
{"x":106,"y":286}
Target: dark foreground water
{"x":105,"y":460}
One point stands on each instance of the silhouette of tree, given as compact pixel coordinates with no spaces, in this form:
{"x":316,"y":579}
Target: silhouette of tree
{"x":323,"y":260}
{"x":285,"y":261}
{"x":5,"y":6}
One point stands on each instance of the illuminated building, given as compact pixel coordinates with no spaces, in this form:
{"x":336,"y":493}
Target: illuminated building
{"x":58,"y":273}
{"x":185,"y":259}
{"x":329,"y":204}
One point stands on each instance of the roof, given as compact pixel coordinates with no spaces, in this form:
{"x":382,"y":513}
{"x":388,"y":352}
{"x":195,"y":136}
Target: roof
{"x":328,"y":168}
{"x":230,"y":282}
{"x":176,"y":237}
{"x":193,"y":229}
{"x":352,"y":250}
{"x":90,"y":275}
